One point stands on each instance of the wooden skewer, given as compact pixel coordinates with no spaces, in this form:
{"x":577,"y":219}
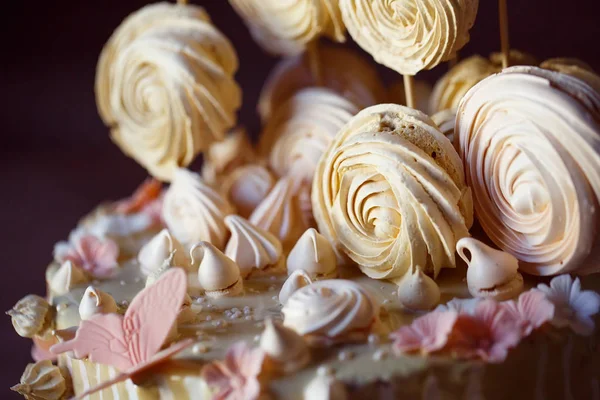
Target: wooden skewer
{"x":504,"y":43}
{"x":409,"y":90}
{"x":315,"y":63}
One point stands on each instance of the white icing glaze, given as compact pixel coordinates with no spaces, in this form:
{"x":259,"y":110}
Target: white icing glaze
{"x":66,"y":277}
{"x":417,"y":291}
{"x":284,"y":346}
{"x":297,"y":279}
{"x":158,"y":249}
{"x":95,"y":301}
{"x":313,"y":254}
{"x":218,"y":274}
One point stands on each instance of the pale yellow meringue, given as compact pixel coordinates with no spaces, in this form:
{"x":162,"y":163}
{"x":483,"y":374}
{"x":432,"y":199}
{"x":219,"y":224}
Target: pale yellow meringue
{"x":281,"y":214}
{"x":422,"y":92}
{"x":42,"y":381}
{"x":417,"y":291}
{"x":65,"y":278}
{"x":325,"y":387}
{"x":95,"y":301}
{"x":223,"y":157}
{"x":313,"y":254}
{"x":32,"y":316}
{"x":574,"y":67}
{"x":297,"y":279}
{"x":409,"y":36}
{"x":195,"y":212}
{"x":445,"y":120}
{"x":247,"y":186}
{"x":165,"y":87}
{"x":154,"y":253}
{"x":218,"y":274}
{"x":341,"y":69}
{"x":390,"y":194}
{"x":529,"y":138}
{"x":491,"y":273}
{"x":330,"y":311}
{"x":251,"y":247}
{"x":287,"y":27}
{"x":301,"y":129}
{"x":284,"y":347}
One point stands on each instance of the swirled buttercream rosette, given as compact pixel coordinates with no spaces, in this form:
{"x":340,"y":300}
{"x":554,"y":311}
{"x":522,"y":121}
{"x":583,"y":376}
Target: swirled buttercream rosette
{"x":389,"y":193}
{"x":286,"y":27}
{"x":530,"y":139}
{"x":164,"y":85}
{"x":409,"y":36}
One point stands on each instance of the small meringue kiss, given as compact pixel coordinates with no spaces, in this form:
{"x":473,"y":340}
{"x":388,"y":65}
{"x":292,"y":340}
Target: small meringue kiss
{"x":314,"y":254}
{"x":31,"y":316}
{"x":66,"y":277}
{"x":417,"y":291}
{"x":325,"y":387}
{"x":42,"y":381}
{"x":218,"y":274}
{"x":492,"y":273}
{"x":297,"y":279}
{"x":95,"y":301}
{"x":153,"y":254}
{"x":284,"y":347}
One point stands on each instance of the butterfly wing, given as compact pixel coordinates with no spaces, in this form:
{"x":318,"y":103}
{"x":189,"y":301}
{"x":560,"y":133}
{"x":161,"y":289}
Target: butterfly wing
{"x":102,"y":339}
{"x":152,"y":313}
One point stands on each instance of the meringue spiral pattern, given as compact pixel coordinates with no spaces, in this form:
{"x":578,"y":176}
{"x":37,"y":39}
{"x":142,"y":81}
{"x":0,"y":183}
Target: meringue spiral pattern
{"x":409,"y":36}
{"x":530,"y":139}
{"x":300,"y":131}
{"x":390,"y":194}
{"x":286,"y":27}
{"x":165,"y":87}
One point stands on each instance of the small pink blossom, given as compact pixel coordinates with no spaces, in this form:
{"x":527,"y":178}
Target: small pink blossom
{"x":487,"y":334}
{"x":96,"y":256}
{"x":236,"y":378}
{"x":532,"y":309}
{"x":144,"y":195}
{"x":428,"y":333}
{"x":40,"y":350}
{"x":573,"y":307}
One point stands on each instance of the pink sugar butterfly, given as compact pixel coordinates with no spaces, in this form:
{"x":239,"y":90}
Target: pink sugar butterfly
{"x":131,"y":343}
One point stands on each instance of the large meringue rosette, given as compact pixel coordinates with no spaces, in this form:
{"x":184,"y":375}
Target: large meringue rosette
{"x":530,"y":139}
{"x":409,"y":36}
{"x":390,"y":194}
{"x":300,"y":131}
{"x":164,"y":85}
{"x":286,"y":27}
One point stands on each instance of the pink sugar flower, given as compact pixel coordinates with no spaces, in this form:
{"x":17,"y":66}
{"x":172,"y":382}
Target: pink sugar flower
{"x":236,"y":378}
{"x":427,"y":334}
{"x":532,"y":309}
{"x":96,"y":256}
{"x":145,"y":194}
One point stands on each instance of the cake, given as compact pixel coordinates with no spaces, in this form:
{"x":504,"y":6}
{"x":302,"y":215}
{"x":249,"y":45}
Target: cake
{"x":361,"y":250}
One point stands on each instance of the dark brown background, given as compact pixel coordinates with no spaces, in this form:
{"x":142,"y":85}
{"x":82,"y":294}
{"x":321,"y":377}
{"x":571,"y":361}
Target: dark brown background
{"x":57,"y":160}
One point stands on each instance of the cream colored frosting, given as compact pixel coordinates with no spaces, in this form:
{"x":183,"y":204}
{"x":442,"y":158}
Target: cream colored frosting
{"x":297,"y":279}
{"x":280,"y":213}
{"x":31,"y":316}
{"x":301,"y":129}
{"x":445,"y":120}
{"x":286,"y":27}
{"x":164,"y":84}
{"x":247,"y":186}
{"x":331,"y":310}
{"x":251,"y":247}
{"x":390,"y":193}
{"x":154,"y":253}
{"x":341,"y":69}
{"x":218,"y":275}
{"x":66,"y":277}
{"x":195,"y":212}
{"x":284,"y":347}
{"x":417,"y":291}
{"x":42,"y":381}
{"x":95,"y":301}
{"x":325,"y":387}
{"x":313,"y":254}
{"x":530,"y":141}
{"x":422,"y":92}
{"x":411,"y":35}
{"x":223,"y":157}
{"x":492,"y":273}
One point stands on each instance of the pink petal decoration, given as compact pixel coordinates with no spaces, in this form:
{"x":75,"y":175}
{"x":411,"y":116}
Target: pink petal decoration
{"x":532,"y":309}
{"x":147,"y":192}
{"x":40,"y":350}
{"x":428,"y":333}
{"x":236,"y":378}
{"x":96,"y":256}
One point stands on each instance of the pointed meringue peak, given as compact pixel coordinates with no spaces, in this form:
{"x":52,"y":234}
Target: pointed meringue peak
{"x":417,"y":291}
{"x":218,"y":274}
{"x":491,"y":273}
{"x":247,"y":186}
{"x":297,"y":279}
{"x":164,"y":267}
{"x":66,"y":277}
{"x":95,"y":301}
{"x":284,"y":346}
{"x":154,"y":253}
{"x":42,"y":381}
{"x":251,"y":247}
{"x":314,"y":254}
